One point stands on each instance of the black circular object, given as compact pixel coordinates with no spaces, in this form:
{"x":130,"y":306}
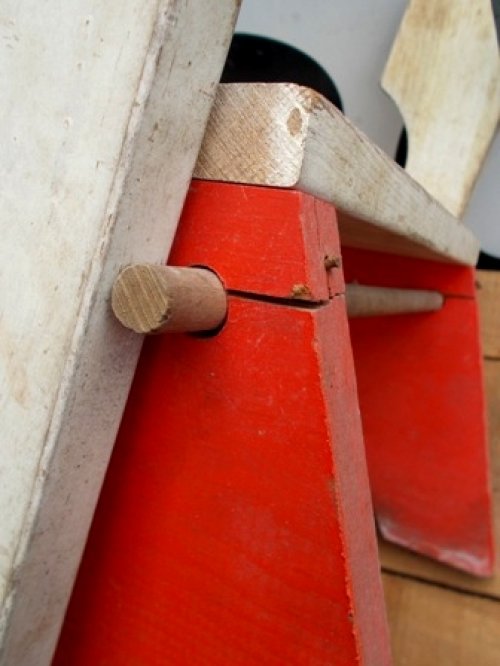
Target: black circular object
{"x":256,"y":59}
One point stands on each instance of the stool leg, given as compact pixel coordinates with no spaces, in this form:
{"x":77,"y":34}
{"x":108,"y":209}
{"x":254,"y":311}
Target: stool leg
{"x":235,"y":525}
{"x":421,"y":392}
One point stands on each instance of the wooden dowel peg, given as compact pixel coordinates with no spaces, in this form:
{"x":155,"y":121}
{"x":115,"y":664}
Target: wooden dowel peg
{"x":154,"y":299}
{"x":364,"y":301}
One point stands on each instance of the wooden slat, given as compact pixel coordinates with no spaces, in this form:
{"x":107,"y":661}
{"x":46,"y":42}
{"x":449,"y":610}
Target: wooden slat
{"x":488,"y":285}
{"x":444,"y":75}
{"x":284,"y":135}
{"x":431,"y":625}
{"x":402,"y":561}
{"x":103,"y":111}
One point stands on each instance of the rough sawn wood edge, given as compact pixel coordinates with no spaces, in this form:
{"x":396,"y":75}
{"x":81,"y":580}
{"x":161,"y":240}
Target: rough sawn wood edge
{"x":285,"y":135}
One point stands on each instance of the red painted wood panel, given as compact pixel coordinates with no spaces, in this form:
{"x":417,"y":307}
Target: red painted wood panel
{"x":261,"y":240}
{"x":390,"y":270}
{"x":235,"y":525}
{"x":421,"y":394}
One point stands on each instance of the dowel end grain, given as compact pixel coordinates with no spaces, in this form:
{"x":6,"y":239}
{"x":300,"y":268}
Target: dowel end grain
{"x":153,"y":299}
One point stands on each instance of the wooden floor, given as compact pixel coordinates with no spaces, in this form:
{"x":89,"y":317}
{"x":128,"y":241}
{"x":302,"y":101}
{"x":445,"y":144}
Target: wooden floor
{"x":439,"y":616}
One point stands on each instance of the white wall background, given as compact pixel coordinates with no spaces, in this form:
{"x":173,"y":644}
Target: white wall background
{"x":351,"y":39}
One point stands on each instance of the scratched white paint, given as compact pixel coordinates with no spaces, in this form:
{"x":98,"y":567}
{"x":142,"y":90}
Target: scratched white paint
{"x":103,"y":109}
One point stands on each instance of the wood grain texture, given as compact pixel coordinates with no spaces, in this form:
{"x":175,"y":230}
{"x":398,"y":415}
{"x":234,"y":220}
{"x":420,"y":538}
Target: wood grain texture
{"x":156,"y":299}
{"x":431,"y":625}
{"x":103,"y":111}
{"x":284,"y":135}
{"x":488,"y":286}
{"x":444,"y":74}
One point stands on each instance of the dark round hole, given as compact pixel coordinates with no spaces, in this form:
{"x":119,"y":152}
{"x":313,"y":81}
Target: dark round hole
{"x":213,"y":331}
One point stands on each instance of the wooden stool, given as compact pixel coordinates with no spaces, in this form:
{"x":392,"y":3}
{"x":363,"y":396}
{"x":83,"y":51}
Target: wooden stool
{"x":424,"y":420}
{"x":263,"y":527}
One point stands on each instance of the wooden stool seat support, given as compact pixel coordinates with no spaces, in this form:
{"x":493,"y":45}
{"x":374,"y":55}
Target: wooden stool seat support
{"x":285,"y":135}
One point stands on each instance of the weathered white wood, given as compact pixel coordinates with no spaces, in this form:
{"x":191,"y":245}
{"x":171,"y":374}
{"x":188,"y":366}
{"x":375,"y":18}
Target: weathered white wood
{"x":444,"y":74}
{"x":284,"y":135}
{"x":103,"y":110}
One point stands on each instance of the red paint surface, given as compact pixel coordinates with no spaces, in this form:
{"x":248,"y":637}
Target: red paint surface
{"x":390,"y":270}
{"x":235,"y":524}
{"x":421,"y":394}
{"x":260,"y":240}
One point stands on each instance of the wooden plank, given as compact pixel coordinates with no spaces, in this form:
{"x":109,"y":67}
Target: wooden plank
{"x":103,"y":111}
{"x":444,"y":74}
{"x":399,"y":560}
{"x":488,"y":286}
{"x":431,"y":625}
{"x":284,"y":135}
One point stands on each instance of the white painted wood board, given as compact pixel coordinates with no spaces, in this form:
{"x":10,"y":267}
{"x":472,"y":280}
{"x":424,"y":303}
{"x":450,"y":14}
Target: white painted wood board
{"x":444,"y":74}
{"x":284,"y":135}
{"x":103,"y":109}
